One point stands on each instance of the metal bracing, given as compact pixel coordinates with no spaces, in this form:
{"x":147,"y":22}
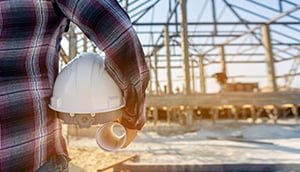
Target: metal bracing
{"x":217,"y":36}
{"x":293,"y":70}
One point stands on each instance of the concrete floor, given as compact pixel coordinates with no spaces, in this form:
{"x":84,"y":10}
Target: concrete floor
{"x":257,"y":147}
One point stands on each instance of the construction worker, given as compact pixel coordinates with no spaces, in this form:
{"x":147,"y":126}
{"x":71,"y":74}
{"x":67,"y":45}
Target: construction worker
{"x":30,"y":33}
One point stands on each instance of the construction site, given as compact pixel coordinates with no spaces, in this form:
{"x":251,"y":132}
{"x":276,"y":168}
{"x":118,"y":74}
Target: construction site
{"x":224,"y":92}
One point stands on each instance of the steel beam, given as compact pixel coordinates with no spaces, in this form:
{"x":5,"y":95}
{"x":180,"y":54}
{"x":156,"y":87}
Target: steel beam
{"x":225,"y":98}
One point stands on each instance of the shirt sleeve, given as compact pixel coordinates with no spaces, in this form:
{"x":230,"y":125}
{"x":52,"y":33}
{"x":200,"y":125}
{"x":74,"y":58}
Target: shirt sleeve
{"x":109,"y":27}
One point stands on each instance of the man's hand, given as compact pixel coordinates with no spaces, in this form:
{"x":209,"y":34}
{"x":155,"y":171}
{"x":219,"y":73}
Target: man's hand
{"x":130,"y":136}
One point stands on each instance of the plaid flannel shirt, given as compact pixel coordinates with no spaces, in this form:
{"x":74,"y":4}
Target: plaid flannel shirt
{"x":30,"y":32}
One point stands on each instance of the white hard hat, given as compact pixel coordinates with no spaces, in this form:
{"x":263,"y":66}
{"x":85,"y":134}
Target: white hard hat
{"x":84,"y":87}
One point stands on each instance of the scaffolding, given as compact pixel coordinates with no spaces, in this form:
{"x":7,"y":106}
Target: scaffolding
{"x":187,"y":46}
{"x":188,"y":43}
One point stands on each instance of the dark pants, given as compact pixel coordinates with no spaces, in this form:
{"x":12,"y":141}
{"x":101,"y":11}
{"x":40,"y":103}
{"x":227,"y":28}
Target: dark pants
{"x":55,"y":164}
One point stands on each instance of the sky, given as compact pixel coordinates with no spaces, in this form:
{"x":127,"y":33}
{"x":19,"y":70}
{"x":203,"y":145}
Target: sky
{"x":201,"y":11}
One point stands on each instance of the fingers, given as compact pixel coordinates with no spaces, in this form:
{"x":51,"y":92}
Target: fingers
{"x":130,"y":136}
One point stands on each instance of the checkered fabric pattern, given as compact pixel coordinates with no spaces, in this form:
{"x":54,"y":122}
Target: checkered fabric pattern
{"x":30,"y":33}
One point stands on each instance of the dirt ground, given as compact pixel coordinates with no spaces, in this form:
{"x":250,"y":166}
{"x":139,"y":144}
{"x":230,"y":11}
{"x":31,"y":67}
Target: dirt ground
{"x":203,"y":143}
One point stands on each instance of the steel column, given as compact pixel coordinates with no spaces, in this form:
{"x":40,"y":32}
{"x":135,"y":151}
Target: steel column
{"x":269,"y":56}
{"x":184,"y":47}
{"x":223,"y":60}
{"x":169,"y":76}
{"x":155,"y":71}
{"x":201,"y":74}
{"x":73,"y":42}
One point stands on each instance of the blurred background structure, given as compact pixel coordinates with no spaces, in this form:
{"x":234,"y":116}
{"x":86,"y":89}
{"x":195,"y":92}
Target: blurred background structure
{"x":241,"y":57}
